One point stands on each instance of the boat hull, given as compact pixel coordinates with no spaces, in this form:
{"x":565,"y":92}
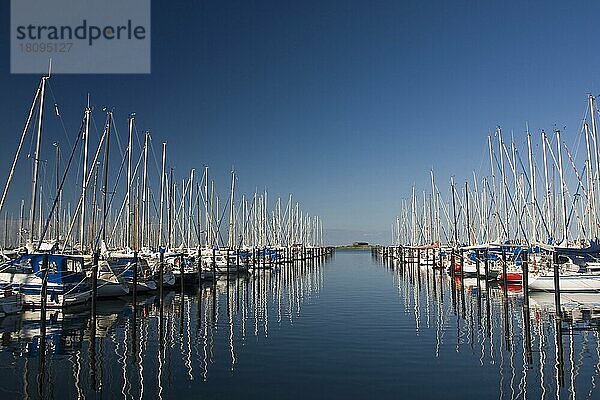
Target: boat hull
{"x":567,"y":283}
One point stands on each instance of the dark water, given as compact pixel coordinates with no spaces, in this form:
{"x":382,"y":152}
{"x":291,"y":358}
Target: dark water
{"x":350,"y":327}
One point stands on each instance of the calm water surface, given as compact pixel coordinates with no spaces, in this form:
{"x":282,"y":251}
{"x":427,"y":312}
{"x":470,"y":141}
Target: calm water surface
{"x":349,"y":327}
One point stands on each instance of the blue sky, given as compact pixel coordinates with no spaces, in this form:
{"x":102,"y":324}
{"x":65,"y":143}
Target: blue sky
{"x":345,"y":104}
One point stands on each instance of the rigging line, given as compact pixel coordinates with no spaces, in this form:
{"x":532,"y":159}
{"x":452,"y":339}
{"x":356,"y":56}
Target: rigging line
{"x":60,"y":187}
{"x":80,"y":201}
{"x":544,"y":222}
{"x":573,"y":209}
{"x":158,"y":169}
{"x":116,"y":132}
{"x":112,"y":196}
{"x":510,"y":197}
{"x":36,"y":117}
{"x":220,"y":220}
{"x":134,"y":175}
{"x":57,"y":113}
{"x":491,"y":212}
{"x":16,"y":159}
{"x":245,"y":226}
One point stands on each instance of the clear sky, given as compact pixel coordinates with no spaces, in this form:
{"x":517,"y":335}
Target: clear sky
{"x":345,"y":104}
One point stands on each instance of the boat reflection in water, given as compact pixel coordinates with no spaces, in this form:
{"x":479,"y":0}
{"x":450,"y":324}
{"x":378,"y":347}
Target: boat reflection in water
{"x":155,"y":347}
{"x":536,"y":352}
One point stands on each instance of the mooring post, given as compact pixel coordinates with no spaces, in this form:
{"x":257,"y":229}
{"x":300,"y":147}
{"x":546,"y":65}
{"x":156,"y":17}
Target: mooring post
{"x":214,"y":264}
{"x":525,"y":277}
{"x":181,"y":272}
{"x":462,"y":266}
{"x":43,"y":295}
{"x":95,"y":282}
{"x":504,"y":271}
{"x":555,"y":260}
{"x":526,"y":316}
{"x":161,"y":272}
{"x":42,"y":345}
{"x":486,"y":266}
{"x":135,"y":278}
{"x":462,"y":282}
{"x":227,"y":266}
{"x":477,"y":271}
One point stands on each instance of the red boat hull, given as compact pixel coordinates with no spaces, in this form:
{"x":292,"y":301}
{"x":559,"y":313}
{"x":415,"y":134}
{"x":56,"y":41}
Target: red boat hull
{"x":511,"y":277}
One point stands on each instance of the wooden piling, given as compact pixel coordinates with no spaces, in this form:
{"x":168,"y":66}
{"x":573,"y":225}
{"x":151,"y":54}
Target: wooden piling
{"x":161,"y":274}
{"x":227,"y":266}
{"x":504,"y":271}
{"x":486,"y":266}
{"x":556,"y":284}
{"x":214,"y":264}
{"x":525,"y":277}
{"x":95,"y":282}
{"x":135,"y":278}
{"x":181,"y":272}
{"x":526,"y":316}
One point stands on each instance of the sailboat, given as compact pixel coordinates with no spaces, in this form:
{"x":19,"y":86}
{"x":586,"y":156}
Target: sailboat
{"x":37,"y":273}
{"x":66,"y":282}
{"x":577,"y":273}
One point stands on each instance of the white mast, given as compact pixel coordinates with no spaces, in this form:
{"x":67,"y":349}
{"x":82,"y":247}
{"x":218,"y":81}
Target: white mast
{"x":86,"y":140}
{"x":591,"y":208}
{"x":504,"y":185}
{"x":494,"y":194}
{"x":231,"y":243}
{"x":36,"y":162}
{"x":533,"y":190}
{"x":208,"y":227}
{"x":162,"y":194}
{"x":129,"y":180}
{"x":145,"y":208}
{"x":191,"y":198}
{"x":546,"y":181}
{"x":563,"y":188}
{"x":595,"y":142}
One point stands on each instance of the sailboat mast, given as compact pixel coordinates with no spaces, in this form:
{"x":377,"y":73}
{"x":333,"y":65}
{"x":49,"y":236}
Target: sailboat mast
{"x":546,"y":180}
{"x":454,"y":212}
{"x":211,"y":215}
{"x":231,"y":243}
{"x":504,"y":185}
{"x":563,"y":198}
{"x":533,"y":190}
{"x":468,"y":214}
{"x":207,"y":221}
{"x":591,"y":208}
{"x":144,"y":191}
{"x":105,"y":184}
{"x":494,"y":194}
{"x":131,"y":121}
{"x":86,"y":141}
{"x":162,"y":194}
{"x":190,"y":208}
{"x":36,"y":163}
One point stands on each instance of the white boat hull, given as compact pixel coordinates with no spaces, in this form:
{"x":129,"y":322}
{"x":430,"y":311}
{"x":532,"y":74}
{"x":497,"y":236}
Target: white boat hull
{"x":29,"y":286}
{"x":575,"y":282}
